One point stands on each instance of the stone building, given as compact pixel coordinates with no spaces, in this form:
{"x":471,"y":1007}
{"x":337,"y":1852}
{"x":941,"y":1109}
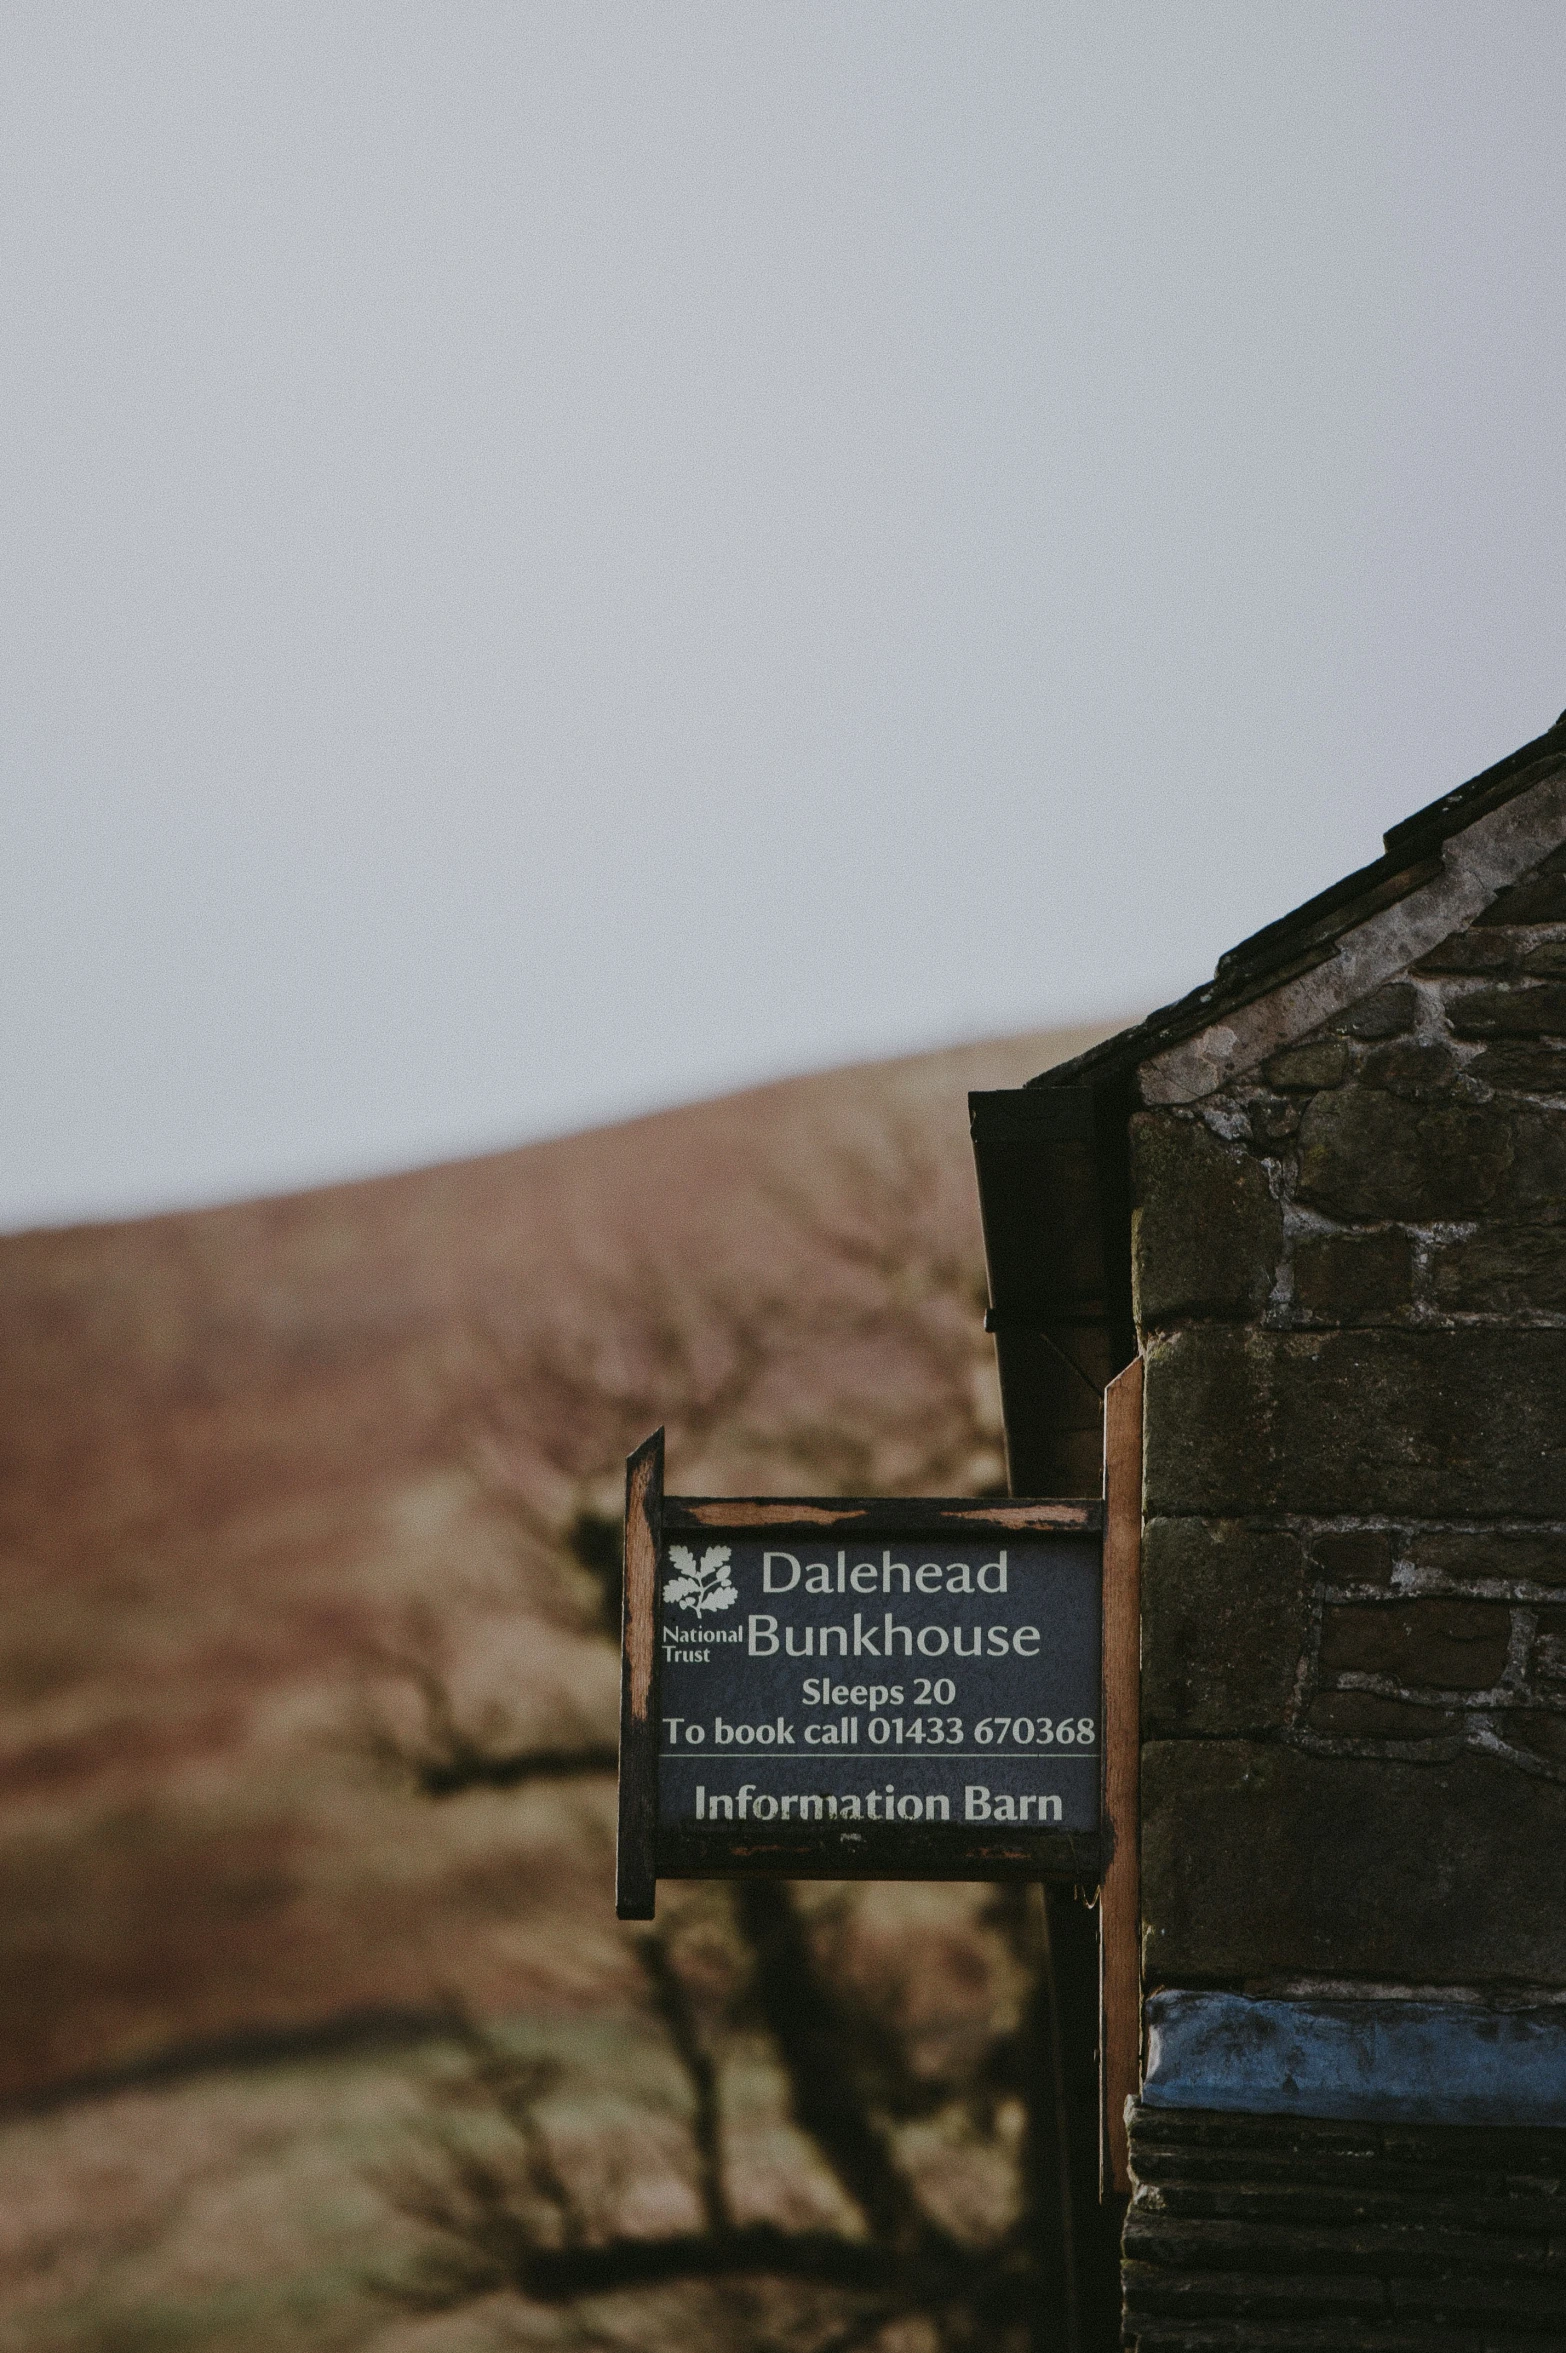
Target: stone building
{"x":1325,"y":1198}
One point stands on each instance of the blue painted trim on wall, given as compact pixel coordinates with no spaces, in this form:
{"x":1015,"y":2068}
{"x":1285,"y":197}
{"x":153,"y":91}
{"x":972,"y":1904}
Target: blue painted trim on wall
{"x":1391,"y":2061}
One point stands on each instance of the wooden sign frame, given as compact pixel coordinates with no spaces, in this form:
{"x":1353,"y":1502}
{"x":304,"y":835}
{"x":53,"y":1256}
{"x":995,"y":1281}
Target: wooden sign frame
{"x":1108,"y":1859}
{"x":649,"y":1850}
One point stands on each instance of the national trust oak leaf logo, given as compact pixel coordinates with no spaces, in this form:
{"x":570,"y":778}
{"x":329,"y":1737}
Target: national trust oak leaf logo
{"x":707,"y":1587}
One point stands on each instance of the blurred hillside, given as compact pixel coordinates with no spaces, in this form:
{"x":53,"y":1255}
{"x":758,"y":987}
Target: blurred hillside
{"x":307,"y":1512}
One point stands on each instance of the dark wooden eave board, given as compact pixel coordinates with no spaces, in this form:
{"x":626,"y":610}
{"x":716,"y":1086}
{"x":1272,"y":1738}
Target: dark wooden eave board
{"x":1052,"y":1184}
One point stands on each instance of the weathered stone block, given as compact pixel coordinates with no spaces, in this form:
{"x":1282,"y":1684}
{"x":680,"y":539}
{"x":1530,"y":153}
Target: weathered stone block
{"x":1536,"y":1185}
{"x":1471,"y":951}
{"x":1540,"y":897}
{"x":1520,"y":1009}
{"x":1260,"y":1860}
{"x":1427,"y":1424}
{"x":1458,"y":2283}
{"x":1361,"y":1715}
{"x":1514,"y":2172}
{"x":1502,"y":1270}
{"x":1539,"y":1731}
{"x":1418,"y":1069}
{"x":1546,"y":960}
{"x":1445,"y":1645}
{"x":1345,"y":1278}
{"x":1526,"y":1068}
{"x":1324,"y":1062}
{"x":1354,"y":1556}
{"x":1382,"y":1014}
{"x":1547,"y":1659}
{"x":1206,"y":1234}
{"x":1364,"y":1153}
{"x":1189,"y":2289}
{"x":1273,"y":1118}
{"x":1223,"y":1627}
{"x":1490,"y":1553}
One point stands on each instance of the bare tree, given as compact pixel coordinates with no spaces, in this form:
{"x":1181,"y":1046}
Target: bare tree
{"x":855,"y":1364}
{"x":849,"y":1357}
{"x":444,"y":1750}
{"x":516,"y":2216}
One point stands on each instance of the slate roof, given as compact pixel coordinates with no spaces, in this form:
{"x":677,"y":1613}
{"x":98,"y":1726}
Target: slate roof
{"x":1411,"y":856}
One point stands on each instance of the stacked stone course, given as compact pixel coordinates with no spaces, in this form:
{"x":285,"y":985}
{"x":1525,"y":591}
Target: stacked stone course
{"x":1350,"y":1278}
{"x":1346,"y":1192}
{"x":1351,"y":1291}
{"x":1285,"y":2235}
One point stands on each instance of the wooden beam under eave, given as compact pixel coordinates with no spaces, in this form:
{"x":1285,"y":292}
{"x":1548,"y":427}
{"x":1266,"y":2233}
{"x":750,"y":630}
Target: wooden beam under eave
{"x":1120,"y":1894}
{"x":636,"y":1853}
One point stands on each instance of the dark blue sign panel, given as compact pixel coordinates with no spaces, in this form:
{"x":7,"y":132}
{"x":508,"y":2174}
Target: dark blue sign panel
{"x":831,"y":1688}
{"x":871,"y":1698}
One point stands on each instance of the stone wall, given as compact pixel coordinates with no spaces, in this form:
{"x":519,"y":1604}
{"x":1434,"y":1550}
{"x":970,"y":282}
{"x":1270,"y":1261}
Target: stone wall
{"x":1260,"y":2232}
{"x":1351,"y":1290}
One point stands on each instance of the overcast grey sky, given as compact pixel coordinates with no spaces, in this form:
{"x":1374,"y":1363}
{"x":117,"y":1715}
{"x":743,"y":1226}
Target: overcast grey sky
{"x":563,"y":557}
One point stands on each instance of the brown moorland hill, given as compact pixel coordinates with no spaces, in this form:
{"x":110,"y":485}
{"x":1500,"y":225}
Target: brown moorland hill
{"x":306,"y":1533}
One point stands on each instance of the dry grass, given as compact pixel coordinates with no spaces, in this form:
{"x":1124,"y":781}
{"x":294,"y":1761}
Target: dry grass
{"x":303,"y":1513}
{"x":274,"y":2206}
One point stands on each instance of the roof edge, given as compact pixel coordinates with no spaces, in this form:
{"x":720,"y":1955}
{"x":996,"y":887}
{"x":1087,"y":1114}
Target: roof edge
{"x":1412,"y":857}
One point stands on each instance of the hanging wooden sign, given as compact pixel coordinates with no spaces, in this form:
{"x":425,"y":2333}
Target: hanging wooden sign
{"x":834,"y":1689}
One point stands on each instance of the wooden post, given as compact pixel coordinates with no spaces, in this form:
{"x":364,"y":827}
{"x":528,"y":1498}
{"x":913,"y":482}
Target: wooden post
{"x":1120,"y":1894}
{"x":636,"y":1866}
